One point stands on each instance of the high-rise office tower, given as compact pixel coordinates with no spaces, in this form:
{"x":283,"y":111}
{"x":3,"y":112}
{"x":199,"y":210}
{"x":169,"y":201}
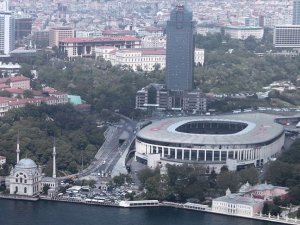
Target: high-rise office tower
{"x":296,"y":12}
{"x":180,"y":50}
{"x":7,"y":29}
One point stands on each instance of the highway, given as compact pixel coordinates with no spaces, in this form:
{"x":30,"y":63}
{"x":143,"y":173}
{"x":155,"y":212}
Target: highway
{"x":111,"y":150}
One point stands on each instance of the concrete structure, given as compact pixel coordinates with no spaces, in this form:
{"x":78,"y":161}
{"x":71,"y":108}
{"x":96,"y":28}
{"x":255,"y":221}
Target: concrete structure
{"x":60,"y":33}
{"x":85,"y":47}
{"x":25,"y":178}
{"x":145,"y":59}
{"x":51,"y":182}
{"x":287,"y":36}
{"x":237,"y":141}
{"x":23,"y":27}
{"x":21,"y":82}
{"x":180,"y":50}
{"x":7,"y":32}
{"x":296,"y":12}
{"x":156,"y":96}
{"x":243,"y":32}
{"x":41,"y":38}
{"x":263,"y":191}
{"x":9,"y":69}
{"x":237,"y":205}
{"x":153,"y":42}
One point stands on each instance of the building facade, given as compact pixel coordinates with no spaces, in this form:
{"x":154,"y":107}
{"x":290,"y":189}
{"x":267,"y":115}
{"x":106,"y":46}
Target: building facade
{"x":7,"y":33}
{"x":146,"y":59}
{"x":296,"y":12}
{"x":243,"y":32}
{"x":20,"y":82}
{"x":287,"y":36}
{"x":156,"y":96}
{"x":25,"y":178}
{"x":60,"y":33}
{"x":237,"y":205}
{"x":180,"y":50}
{"x":237,"y":141}
{"x":23,"y":27}
{"x":85,"y":47}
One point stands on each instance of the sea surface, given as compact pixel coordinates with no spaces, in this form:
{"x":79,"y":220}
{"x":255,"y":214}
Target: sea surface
{"x":16,"y":212}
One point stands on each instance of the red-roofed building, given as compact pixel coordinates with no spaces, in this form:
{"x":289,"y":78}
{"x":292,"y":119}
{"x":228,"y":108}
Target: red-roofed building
{"x":145,"y":59}
{"x":85,"y":47}
{"x":20,"y":81}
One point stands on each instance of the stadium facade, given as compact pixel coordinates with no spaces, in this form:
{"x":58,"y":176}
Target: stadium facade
{"x":237,"y":141}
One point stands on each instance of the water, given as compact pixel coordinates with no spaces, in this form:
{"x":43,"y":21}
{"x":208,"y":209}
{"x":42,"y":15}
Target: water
{"x":57,"y":213}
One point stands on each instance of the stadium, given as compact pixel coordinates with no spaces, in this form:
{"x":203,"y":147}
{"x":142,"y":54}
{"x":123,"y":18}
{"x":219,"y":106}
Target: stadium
{"x":238,"y":141}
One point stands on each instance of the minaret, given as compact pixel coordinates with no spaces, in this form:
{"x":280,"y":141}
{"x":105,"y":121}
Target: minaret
{"x":54,"y":160}
{"x":18,"y":148}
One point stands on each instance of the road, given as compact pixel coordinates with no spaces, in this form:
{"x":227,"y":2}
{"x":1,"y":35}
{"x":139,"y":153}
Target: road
{"x":111,"y":150}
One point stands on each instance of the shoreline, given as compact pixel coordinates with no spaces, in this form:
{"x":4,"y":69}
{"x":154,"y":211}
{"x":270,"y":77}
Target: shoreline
{"x":271,"y":219}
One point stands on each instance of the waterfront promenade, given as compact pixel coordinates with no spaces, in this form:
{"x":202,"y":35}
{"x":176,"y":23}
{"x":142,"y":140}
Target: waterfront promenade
{"x":186,"y":206}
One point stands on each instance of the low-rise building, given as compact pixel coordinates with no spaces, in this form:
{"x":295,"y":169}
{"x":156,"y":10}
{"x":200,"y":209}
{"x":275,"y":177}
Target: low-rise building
{"x":263,"y":191}
{"x":243,"y":32}
{"x":158,"y":97}
{"x":9,"y":69}
{"x":146,"y":59}
{"x":85,"y":47}
{"x":287,"y":36}
{"x":20,"y":81}
{"x":233,"y":204}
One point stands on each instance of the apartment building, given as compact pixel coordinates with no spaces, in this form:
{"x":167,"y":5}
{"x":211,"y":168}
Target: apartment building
{"x":58,"y":34}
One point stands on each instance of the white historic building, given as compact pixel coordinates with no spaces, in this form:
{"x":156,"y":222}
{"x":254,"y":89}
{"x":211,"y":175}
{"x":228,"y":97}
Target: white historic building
{"x":26,"y":177}
{"x":243,"y":32}
{"x":233,"y":204}
{"x":145,"y":59}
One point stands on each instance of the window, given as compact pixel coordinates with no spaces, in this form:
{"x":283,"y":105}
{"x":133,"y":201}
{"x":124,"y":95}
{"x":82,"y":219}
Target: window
{"x":25,"y":190}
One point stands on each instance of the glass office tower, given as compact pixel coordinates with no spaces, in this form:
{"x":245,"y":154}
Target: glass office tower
{"x":180,"y":50}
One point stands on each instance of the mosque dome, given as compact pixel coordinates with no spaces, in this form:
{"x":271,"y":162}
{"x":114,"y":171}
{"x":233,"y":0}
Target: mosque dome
{"x":26,"y":164}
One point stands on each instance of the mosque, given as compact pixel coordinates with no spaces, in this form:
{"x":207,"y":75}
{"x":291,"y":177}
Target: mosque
{"x":27,"y":179}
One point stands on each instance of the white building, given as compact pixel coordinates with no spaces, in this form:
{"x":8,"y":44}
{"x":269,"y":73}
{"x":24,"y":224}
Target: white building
{"x":9,"y":69}
{"x":140,"y":58}
{"x":243,"y":32}
{"x":7,"y":30}
{"x":287,"y":36}
{"x":237,"y":205}
{"x":153,"y":42}
{"x":26,"y":177}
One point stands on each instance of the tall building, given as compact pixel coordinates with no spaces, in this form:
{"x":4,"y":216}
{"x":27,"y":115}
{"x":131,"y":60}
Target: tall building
{"x":180,"y":50}
{"x":60,"y":33}
{"x":296,"y":12}
{"x":7,"y":29}
{"x":287,"y":36}
{"x":23,"y":27}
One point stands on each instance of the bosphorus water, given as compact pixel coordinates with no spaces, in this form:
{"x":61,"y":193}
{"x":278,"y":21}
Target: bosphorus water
{"x":15,"y":212}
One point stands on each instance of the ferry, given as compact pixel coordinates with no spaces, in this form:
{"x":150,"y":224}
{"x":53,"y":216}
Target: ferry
{"x":143,"y":203}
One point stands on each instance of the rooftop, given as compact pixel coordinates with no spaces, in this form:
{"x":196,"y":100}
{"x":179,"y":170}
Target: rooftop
{"x":101,"y":39}
{"x":260,"y":128}
{"x":237,"y":199}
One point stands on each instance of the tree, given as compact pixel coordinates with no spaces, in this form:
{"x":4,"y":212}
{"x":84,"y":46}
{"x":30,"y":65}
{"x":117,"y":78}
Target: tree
{"x":249,"y":175}
{"x":27,"y":94}
{"x":250,"y":43}
{"x":228,"y":180}
{"x":45,"y":189}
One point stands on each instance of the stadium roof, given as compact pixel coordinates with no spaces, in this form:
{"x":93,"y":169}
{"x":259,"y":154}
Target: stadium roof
{"x":261,"y":128}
